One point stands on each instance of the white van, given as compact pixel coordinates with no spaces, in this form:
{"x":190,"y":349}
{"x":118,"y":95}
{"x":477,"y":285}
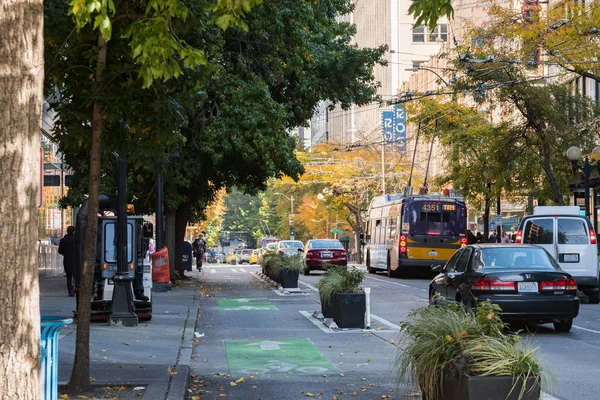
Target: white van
{"x":570,"y":238}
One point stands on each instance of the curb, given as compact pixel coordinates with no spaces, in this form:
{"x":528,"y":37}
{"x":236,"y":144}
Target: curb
{"x":180,"y":377}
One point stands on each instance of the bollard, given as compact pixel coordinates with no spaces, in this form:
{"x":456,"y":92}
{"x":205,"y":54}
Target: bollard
{"x":368,"y":304}
{"x":49,"y":355}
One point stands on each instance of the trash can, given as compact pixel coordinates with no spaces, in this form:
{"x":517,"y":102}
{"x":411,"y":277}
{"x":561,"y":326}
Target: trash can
{"x":49,"y":340}
{"x":187,"y":256}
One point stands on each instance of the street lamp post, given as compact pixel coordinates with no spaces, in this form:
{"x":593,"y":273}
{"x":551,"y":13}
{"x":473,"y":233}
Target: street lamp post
{"x":574,"y":155}
{"x":416,"y":69}
{"x":291,"y":216}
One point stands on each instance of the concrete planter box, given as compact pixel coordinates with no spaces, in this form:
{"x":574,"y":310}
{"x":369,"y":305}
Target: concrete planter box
{"x":463,"y":387}
{"x":289,"y":278}
{"x":349,"y":310}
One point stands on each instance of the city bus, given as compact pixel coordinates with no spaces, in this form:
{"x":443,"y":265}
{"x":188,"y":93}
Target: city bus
{"x":413,"y":232}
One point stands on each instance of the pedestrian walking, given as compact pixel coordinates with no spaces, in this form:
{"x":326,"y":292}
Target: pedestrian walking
{"x":198,"y":248}
{"x":66,"y":248}
{"x":505,"y":238}
{"x":493,"y":238}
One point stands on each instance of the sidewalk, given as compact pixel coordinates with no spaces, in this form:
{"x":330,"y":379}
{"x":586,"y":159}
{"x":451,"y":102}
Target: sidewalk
{"x":154,"y":355}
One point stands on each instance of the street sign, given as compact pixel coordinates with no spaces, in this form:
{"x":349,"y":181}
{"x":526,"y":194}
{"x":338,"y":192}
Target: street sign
{"x":274,"y":357}
{"x":498,"y":220}
{"x":337,"y":230}
{"x":387,"y":125}
{"x":400,"y":126}
{"x":393,"y":126}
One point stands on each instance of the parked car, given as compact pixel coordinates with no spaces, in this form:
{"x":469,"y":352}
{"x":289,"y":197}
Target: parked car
{"x":243,"y":256}
{"x":570,"y":238}
{"x":254,"y":256}
{"x":524,"y":280}
{"x":318,"y":252}
{"x":290,"y":247}
{"x":269,"y":248}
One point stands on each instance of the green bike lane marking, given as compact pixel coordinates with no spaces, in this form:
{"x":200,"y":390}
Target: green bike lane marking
{"x":246,"y":304}
{"x":283,"y":357}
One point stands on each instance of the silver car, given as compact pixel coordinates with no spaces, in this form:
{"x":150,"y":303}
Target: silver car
{"x":290,"y":247}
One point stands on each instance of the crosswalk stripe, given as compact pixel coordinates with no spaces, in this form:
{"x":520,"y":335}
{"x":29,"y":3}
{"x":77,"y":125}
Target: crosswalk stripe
{"x":212,"y":271}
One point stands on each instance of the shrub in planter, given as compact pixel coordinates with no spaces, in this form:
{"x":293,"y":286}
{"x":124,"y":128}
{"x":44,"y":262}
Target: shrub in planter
{"x":341,"y":298}
{"x":283,"y":267}
{"x":450,"y":350}
{"x":265,"y":263}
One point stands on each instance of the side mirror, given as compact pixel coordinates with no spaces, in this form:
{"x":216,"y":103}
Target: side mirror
{"x":437,"y":268}
{"x":148,"y":230}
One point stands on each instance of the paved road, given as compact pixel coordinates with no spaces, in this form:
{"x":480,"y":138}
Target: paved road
{"x":247,"y":327}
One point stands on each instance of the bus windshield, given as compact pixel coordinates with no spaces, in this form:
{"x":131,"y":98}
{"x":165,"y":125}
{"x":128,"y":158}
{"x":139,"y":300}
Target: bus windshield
{"x":436,"y":218}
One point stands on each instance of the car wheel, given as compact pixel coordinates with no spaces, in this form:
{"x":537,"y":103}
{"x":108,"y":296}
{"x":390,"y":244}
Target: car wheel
{"x":432,"y":301}
{"x":564,"y":326}
{"x":306,"y":271}
{"x":594,"y":297}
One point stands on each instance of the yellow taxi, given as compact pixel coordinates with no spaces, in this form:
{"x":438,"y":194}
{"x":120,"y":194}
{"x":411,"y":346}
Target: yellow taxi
{"x":254,"y":256}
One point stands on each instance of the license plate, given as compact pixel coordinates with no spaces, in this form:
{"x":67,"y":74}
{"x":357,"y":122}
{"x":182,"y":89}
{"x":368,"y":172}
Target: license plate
{"x":433,"y":253}
{"x":527,"y":287}
{"x":326,"y":254}
{"x":571,"y":257}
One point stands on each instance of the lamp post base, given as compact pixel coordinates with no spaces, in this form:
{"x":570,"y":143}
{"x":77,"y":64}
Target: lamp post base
{"x":122,"y":310}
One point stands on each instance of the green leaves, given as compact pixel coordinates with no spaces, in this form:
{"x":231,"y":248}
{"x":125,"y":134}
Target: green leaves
{"x":230,"y":13}
{"x":428,"y":12}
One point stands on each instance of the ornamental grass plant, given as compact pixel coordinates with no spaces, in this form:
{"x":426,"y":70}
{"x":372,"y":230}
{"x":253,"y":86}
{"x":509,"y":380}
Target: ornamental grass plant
{"x":339,"y":279}
{"x":275,"y":264}
{"x":453,"y":338}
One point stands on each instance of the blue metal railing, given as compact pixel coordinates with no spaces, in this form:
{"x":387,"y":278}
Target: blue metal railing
{"x":49,"y":340}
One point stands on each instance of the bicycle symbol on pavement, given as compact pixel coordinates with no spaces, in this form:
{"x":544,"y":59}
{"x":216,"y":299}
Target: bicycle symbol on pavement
{"x":282,"y":366}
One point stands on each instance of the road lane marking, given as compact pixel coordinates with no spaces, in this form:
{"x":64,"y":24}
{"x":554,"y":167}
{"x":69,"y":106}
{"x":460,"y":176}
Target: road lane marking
{"x":546,"y":396}
{"x":319,"y":324}
{"x":385,"y":322}
{"x":243,"y":270}
{"x":309,"y":285}
{"x":393,"y":283}
{"x":212,"y":271}
{"x":585,"y":329}
{"x":234,"y":270}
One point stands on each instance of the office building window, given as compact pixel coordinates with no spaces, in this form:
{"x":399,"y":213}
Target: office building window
{"x":419,"y":34}
{"x":439,"y":34}
{"x":422,"y":34}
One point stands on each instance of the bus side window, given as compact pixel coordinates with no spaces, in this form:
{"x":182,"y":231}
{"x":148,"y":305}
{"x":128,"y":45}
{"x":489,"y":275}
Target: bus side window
{"x":376,"y":229}
{"x":392,"y":229}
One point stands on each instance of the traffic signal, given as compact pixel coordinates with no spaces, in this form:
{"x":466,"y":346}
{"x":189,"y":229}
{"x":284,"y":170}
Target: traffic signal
{"x":292,"y":233}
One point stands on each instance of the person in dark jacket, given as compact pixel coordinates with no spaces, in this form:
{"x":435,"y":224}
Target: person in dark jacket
{"x":66,"y":248}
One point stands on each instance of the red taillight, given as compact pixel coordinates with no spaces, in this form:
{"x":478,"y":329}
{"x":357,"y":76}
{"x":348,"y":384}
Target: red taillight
{"x":402,"y":243}
{"x":559,"y":284}
{"x":494,"y":285}
{"x":463,"y":242}
{"x":592,"y":237}
{"x":280,"y":251}
{"x":311,"y":254}
{"x":519,"y":237}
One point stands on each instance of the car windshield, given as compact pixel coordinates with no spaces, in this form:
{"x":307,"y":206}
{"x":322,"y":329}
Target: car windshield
{"x":292,"y":245}
{"x":514,"y":258}
{"x":326,"y":244}
{"x":246,"y":251}
{"x":272,"y":246}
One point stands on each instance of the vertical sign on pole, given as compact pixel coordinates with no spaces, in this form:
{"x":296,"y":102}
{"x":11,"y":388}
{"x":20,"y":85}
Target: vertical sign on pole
{"x":399,"y":135}
{"x":387,"y":125}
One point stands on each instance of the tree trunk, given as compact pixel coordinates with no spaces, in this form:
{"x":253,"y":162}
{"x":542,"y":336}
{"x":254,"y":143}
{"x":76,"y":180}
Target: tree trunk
{"x":181,"y":220}
{"x":170,"y":239}
{"x":357,"y":231}
{"x":80,"y":375}
{"x":21,"y":99}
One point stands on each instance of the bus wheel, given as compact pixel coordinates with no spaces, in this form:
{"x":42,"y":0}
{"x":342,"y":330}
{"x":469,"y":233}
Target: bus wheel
{"x":370,"y":269}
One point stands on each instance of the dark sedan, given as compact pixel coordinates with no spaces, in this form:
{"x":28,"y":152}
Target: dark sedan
{"x":319,"y":252}
{"x":524,"y":280}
